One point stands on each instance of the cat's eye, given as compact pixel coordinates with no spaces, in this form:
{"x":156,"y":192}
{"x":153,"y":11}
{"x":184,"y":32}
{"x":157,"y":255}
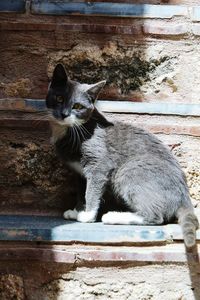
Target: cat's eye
{"x":78,"y":106}
{"x":59,"y":99}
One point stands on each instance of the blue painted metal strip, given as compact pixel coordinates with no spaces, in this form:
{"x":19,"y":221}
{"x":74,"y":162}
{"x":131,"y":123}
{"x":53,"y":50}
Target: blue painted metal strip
{"x":12,"y":6}
{"x":37,"y":105}
{"x":133,"y":107}
{"x":37,"y":228}
{"x":150,"y":108}
{"x":49,"y":7}
{"x":29,"y":228}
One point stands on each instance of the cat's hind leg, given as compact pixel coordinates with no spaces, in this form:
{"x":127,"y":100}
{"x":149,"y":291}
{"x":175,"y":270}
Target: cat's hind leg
{"x":141,"y":193}
{"x":122,"y":218}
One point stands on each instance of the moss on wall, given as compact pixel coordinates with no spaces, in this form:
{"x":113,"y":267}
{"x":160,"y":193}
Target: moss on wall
{"x":122,"y":67}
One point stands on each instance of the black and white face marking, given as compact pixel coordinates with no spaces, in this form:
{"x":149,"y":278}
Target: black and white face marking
{"x":71,"y":103}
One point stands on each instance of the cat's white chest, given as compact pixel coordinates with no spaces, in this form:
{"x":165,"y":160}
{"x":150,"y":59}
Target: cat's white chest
{"x":76,"y":166}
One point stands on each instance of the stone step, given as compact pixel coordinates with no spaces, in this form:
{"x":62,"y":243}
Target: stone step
{"x":55,"y":229}
{"x":39,"y":272}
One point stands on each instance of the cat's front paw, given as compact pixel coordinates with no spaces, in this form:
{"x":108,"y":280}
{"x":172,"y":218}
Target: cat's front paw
{"x":70,"y":214}
{"x":86,"y":216}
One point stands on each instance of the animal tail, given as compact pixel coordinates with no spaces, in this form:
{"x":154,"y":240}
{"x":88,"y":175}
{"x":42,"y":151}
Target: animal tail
{"x":189,"y":224}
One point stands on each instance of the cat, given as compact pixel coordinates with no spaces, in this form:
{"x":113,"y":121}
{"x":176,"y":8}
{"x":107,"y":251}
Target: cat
{"x":141,"y":172}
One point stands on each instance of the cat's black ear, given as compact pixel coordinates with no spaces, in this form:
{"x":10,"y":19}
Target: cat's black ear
{"x":59,"y":77}
{"x":94,"y":89}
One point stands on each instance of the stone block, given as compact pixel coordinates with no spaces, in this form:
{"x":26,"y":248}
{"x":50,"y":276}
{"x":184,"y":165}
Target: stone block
{"x":11,"y":287}
{"x":195,"y":13}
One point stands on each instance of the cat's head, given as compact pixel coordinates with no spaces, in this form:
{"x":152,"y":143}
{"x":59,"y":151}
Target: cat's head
{"x":71,"y":103}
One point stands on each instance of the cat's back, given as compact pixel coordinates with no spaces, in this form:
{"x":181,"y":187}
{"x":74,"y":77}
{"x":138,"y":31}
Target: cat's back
{"x":131,"y":140}
{"x":124,"y":141}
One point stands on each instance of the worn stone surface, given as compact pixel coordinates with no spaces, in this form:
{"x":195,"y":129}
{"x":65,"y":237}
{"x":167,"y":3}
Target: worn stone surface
{"x":189,"y":157}
{"x":20,"y":88}
{"x":11,"y":287}
{"x":169,"y":282}
{"x":134,"y":281}
{"x":137,"y":66}
{"x":31,"y":175}
{"x":187,"y":151}
{"x":147,"y":72}
{"x":122,"y":67}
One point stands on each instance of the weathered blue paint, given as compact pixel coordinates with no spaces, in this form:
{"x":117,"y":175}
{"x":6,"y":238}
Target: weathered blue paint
{"x":133,"y":107}
{"x":12,"y":6}
{"x":37,"y":228}
{"x":37,"y":105}
{"x":182,"y":109}
{"x":49,"y":7}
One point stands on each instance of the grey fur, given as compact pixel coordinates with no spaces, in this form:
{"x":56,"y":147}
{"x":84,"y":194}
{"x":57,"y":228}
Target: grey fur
{"x":140,"y":171}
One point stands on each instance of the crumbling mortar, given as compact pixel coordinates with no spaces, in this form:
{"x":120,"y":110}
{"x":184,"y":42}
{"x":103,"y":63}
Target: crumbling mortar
{"x":38,"y":165}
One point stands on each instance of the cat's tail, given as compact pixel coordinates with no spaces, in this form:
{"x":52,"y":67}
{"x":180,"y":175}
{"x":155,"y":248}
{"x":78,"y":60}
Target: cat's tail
{"x":189,"y":224}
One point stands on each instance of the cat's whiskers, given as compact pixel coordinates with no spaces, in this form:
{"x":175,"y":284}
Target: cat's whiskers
{"x":78,"y":138}
{"x":74,"y":137}
{"x":79,"y":128}
{"x":81,"y":133}
{"x":85,"y":130}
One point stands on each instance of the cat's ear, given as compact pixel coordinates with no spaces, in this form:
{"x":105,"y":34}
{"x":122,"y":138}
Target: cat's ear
{"x":94,"y":89}
{"x":59,"y":77}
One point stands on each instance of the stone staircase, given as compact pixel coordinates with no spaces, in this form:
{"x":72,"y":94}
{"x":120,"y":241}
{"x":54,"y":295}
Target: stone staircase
{"x":154,"y":44}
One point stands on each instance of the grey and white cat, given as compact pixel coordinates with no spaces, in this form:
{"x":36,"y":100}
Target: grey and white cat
{"x":139,"y":170}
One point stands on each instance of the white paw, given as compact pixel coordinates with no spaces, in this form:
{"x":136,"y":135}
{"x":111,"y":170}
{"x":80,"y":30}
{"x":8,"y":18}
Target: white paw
{"x":70,"y":214}
{"x":86,"y":216}
{"x":123,"y":218}
{"x":107,"y":218}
